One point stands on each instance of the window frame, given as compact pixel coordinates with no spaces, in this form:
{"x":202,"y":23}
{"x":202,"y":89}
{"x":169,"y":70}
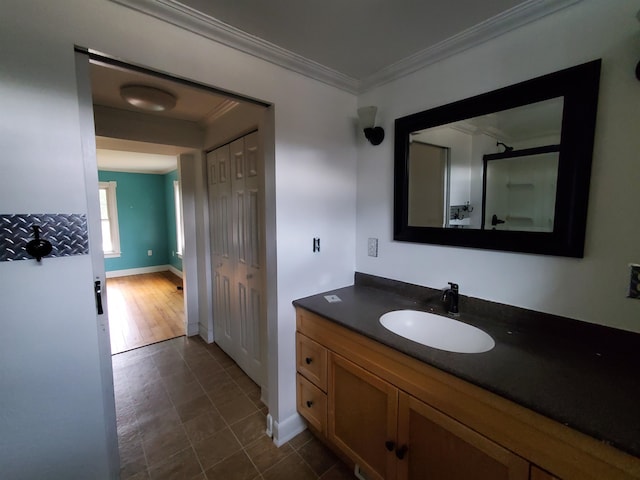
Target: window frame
{"x":112,"y":214}
{"x":177,"y":201}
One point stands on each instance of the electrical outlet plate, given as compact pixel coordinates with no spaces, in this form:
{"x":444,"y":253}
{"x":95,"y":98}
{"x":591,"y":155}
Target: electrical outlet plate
{"x":634,"y":281}
{"x":372,"y":247}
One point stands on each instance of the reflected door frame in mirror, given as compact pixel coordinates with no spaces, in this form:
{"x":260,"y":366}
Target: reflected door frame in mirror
{"x":578,"y":86}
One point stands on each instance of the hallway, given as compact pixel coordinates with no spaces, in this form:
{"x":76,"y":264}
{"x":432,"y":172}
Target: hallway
{"x":185,"y":410}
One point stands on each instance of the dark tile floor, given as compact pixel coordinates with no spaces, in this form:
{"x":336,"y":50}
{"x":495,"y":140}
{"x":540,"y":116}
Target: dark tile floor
{"x":186,"y":411}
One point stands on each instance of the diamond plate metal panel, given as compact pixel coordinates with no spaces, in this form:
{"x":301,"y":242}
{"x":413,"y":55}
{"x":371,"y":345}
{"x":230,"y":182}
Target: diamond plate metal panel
{"x":67,"y":233}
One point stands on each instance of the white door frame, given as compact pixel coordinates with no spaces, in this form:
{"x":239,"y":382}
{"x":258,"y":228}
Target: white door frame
{"x":270,"y":352}
{"x":87,"y":132}
{"x":187,"y":169}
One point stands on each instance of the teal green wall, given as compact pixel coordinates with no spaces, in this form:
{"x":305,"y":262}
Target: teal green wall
{"x":171,"y":220}
{"x":143,"y":202}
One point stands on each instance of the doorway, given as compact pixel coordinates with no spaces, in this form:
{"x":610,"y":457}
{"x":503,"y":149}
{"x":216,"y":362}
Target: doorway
{"x":144,"y":309}
{"x":201,"y":119}
{"x":140,"y":210}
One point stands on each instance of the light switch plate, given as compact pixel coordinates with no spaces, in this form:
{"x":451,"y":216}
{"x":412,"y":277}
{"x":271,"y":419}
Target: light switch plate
{"x":372,"y":247}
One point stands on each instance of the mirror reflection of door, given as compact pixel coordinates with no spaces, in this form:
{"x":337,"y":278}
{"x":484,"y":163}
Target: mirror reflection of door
{"x":427,"y":184}
{"x":520,"y":191}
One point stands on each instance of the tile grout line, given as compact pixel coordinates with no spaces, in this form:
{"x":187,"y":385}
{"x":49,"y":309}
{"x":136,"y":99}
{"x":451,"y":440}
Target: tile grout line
{"x":235,"y":381}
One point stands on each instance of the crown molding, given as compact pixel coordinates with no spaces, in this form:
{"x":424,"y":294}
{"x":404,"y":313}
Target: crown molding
{"x":500,"y":24}
{"x":220,"y":110}
{"x":175,"y":13}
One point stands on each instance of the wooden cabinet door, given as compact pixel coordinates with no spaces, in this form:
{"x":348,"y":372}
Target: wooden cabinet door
{"x":439,"y":447}
{"x":362,"y":417}
{"x":539,"y":474}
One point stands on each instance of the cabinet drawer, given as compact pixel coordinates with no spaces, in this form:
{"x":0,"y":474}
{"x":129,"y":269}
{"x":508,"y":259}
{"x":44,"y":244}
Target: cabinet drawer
{"x":312,"y":404}
{"x":312,"y":361}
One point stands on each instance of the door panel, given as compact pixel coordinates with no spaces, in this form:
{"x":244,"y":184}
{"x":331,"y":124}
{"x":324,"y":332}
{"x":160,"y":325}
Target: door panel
{"x":221,"y":255}
{"x":235,"y":198}
{"x":253,"y":247}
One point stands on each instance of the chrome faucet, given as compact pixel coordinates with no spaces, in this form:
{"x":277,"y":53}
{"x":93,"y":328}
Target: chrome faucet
{"x":450,"y":297}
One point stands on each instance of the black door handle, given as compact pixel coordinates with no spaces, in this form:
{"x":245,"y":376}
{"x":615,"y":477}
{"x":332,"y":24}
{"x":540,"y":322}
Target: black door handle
{"x":400,"y":453}
{"x":38,"y":247}
{"x":495,"y":220}
{"x":98,"y":289}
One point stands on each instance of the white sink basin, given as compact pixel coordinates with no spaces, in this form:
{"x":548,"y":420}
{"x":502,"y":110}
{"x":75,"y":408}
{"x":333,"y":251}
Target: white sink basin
{"x":437,"y":331}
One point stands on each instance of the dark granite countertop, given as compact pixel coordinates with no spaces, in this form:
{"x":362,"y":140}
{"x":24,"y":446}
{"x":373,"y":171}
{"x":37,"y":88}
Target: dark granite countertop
{"x":582,"y":375}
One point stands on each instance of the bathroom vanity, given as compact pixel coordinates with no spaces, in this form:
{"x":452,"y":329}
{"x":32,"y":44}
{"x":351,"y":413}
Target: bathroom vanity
{"x":554,"y":399}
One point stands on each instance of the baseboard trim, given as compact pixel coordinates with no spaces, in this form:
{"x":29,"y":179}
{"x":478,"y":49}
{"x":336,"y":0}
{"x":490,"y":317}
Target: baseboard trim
{"x":175,"y":271}
{"x":287,"y":429}
{"x":204,"y":333}
{"x":136,"y":271}
{"x":142,"y":270}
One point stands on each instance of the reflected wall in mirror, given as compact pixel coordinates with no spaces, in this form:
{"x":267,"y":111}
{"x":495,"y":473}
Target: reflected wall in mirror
{"x":506,"y":170}
{"x":520,"y":189}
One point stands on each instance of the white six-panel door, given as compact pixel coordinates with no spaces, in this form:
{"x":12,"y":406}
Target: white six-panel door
{"x":235,"y":179}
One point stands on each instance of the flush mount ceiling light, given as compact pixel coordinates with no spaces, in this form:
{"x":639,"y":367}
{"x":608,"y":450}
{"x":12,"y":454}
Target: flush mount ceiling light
{"x":367,"y":116}
{"x":148,"y":98}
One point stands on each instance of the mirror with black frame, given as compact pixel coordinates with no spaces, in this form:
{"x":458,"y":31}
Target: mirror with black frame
{"x":505,"y":170}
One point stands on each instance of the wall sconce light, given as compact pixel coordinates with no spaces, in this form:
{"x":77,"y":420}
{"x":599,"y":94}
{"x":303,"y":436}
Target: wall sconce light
{"x":367,"y":116}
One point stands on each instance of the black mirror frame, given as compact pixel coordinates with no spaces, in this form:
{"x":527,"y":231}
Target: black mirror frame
{"x":579,"y":86}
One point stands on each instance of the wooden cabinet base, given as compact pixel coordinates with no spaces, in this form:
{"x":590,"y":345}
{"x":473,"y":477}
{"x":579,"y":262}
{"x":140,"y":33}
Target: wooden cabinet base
{"x":524,"y":440}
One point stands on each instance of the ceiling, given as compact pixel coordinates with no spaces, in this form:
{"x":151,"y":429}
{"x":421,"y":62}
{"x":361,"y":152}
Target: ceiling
{"x":194,"y":104}
{"x":352,"y":44}
{"x":354,"y":37}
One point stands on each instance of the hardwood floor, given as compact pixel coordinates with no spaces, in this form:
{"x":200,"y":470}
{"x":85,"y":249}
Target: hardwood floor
{"x":144,"y":309}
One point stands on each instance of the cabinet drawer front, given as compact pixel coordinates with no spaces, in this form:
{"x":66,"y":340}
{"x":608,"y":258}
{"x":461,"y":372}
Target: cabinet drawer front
{"x":312,"y":361}
{"x":312,"y":404}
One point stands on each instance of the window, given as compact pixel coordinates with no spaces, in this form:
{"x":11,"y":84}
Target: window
{"x":109,"y":219}
{"x":177,"y":197}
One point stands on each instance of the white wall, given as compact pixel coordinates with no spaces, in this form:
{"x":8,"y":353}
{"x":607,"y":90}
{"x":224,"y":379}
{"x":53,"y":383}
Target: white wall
{"x":50,"y":405}
{"x":591,"y":289}
{"x":142,"y":127}
{"x":52,"y":416}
